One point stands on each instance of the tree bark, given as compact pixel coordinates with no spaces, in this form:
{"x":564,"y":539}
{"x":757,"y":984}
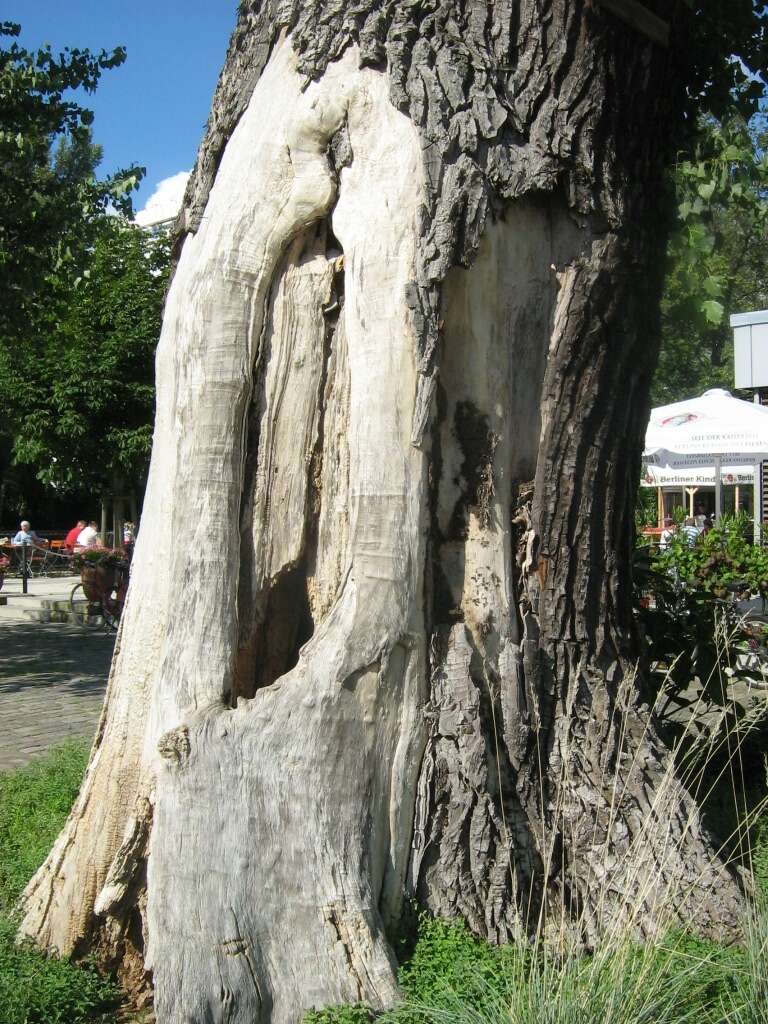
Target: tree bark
{"x":378,"y":641}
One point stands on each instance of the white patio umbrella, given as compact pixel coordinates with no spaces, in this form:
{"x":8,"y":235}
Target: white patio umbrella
{"x":701,"y":440}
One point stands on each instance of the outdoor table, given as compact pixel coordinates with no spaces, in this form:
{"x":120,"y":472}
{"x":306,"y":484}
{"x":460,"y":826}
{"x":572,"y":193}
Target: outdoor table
{"x":35,"y":555}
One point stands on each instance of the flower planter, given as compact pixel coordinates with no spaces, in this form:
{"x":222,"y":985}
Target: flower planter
{"x":96,"y":580}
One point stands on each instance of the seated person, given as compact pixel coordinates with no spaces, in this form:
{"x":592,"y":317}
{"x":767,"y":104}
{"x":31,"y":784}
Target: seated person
{"x":690,"y":531}
{"x":89,"y":537}
{"x":129,"y":539}
{"x":71,"y":539}
{"x":26,"y":535}
{"x":667,"y":533}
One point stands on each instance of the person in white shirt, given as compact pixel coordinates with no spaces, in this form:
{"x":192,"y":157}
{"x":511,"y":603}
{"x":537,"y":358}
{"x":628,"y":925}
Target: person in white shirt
{"x":26,"y":535}
{"x":88,"y":538}
{"x":667,"y":533}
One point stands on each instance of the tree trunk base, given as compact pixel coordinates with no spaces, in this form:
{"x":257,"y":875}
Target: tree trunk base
{"x":378,"y":634}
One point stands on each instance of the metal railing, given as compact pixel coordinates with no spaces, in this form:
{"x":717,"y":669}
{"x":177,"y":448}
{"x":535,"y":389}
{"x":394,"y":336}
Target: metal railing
{"x":27,"y":561}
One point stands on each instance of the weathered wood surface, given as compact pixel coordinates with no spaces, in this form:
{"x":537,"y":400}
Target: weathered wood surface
{"x":402,"y":385}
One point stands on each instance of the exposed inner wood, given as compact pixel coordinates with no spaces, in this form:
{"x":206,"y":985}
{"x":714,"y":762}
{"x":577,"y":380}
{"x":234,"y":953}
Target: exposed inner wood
{"x":292,"y":554}
{"x":328,"y":498}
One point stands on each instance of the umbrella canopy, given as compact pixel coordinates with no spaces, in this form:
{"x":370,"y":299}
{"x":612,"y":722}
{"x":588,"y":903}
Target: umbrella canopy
{"x":709,"y":440}
{"x":693,"y":433}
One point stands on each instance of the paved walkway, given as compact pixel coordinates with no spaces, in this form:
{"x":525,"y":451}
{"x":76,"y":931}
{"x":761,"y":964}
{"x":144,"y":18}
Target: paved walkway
{"x":41,"y":591}
{"x":52,"y":681}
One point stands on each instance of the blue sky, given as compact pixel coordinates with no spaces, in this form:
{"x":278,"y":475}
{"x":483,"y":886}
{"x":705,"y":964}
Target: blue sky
{"x":153,"y":109}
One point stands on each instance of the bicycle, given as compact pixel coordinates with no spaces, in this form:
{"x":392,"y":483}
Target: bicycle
{"x":111,"y":590}
{"x":112,"y":601}
{"x":79,"y":604}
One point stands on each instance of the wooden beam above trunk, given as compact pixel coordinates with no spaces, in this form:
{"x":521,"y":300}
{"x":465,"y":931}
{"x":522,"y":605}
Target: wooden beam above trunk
{"x":639,"y":18}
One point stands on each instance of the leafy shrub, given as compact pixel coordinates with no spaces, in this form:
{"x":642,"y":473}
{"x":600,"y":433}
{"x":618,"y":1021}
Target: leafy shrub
{"x":682,"y":624}
{"x":722,"y":558}
{"x":720,"y":561}
{"x":447,"y":956}
{"x":696,"y":642}
{"x":682,"y":597}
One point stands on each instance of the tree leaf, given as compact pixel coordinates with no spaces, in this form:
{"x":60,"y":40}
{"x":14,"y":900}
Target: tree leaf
{"x":713,"y":311}
{"x":707,"y":190}
{"x":713,"y":286}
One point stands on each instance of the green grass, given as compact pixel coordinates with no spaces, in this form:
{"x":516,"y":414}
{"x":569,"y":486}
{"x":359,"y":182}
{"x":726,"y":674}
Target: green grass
{"x":453,"y":978}
{"x":760,"y":860}
{"x":34,"y":803}
{"x":35,"y":989}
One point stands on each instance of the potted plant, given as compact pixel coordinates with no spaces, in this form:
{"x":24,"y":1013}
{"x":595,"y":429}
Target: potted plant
{"x":97,"y":570}
{"x":4,"y":563}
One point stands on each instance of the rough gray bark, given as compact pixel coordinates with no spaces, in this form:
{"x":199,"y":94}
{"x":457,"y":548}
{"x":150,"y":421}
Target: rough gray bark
{"x":407,"y":351}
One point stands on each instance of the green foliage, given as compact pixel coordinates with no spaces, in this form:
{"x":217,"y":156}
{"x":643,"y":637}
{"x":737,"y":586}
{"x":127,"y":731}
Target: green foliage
{"x":448,"y":956}
{"x":47,"y":204}
{"x":82,"y":395}
{"x":718,"y":249}
{"x":690,"y":628}
{"x":35,"y":989}
{"x":720,"y":559}
{"x":54,"y":215}
{"x":717,"y":254}
{"x":453,"y":975}
{"x":721,"y":55}
{"x":646,"y":508}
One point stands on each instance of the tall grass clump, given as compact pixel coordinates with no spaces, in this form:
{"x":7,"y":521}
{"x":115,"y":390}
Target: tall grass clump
{"x":662,"y":982}
{"x":452,"y":977}
{"x":746,"y":999}
{"x":35,"y":989}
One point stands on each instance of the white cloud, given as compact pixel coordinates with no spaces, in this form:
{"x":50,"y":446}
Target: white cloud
{"x":165,"y":201}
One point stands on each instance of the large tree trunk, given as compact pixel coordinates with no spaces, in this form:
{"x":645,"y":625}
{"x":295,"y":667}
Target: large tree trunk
{"x":378,"y":640}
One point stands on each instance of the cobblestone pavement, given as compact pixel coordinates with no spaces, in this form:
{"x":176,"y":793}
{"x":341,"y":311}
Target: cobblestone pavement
{"x":52,"y":682}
